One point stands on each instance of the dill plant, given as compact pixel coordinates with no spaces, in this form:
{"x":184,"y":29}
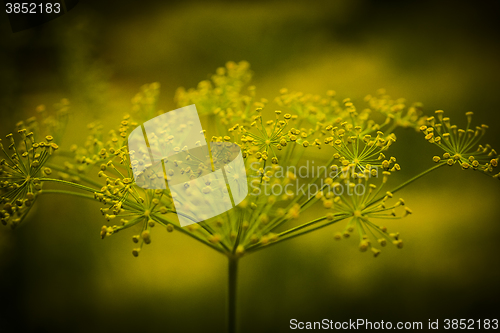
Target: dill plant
{"x":351,"y":143}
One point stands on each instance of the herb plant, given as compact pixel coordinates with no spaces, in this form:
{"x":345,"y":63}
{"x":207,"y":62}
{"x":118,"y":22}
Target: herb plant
{"x":350,"y":145}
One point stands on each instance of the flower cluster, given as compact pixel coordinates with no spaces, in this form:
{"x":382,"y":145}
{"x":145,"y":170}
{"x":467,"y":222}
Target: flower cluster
{"x":354,"y":144}
{"x":266,"y":140}
{"x":350,"y":144}
{"x":221,"y":98}
{"x":21,"y":170}
{"x":362,"y":209}
{"x":396,"y":111}
{"x":461,"y":146}
{"x":313,"y":108}
{"x":351,"y":140}
{"x":144,"y":103}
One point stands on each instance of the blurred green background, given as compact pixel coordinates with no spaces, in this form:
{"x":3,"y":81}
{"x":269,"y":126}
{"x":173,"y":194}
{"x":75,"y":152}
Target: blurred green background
{"x":56,"y":274}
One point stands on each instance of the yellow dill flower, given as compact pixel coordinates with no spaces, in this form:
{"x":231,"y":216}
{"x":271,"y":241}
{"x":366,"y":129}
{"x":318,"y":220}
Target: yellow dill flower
{"x":144,"y":103}
{"x":313,"y":108}
{"x":362,"y":208}
{"x":25,"y":163}
{"x":98,"y":147}
{"x":396,"y":110}
{"x":20,"y":173}
{"x":359,"y":138}
{"x":126,"y":203}
{"x":221,"y":98}
{"x":264,"y":141}
{"x":48,"y":121}
{"x":129,"y":205}
{"x":274,"y":210}
{"x":353,"y":146}
{"x":461,"y":146}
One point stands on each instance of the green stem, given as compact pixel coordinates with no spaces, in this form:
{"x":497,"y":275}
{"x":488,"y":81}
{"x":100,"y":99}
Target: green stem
{"x":76,"y":194}
{"x":391,"y":129}
{"x":65,"y":153}
{"x":409,"y":181}
{"x":88,"y":189}
{"x":79,"y":186}
{"x":417,"y":177}
{"x":84,"y":178}
{"x":276,"y":222}
{"x":190,"y":234}
{"x":259,"y":246}
{"x":232,"y":286}
{"x":308,"y":224}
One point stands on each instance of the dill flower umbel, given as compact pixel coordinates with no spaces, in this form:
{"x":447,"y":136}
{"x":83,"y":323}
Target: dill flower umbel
{"x":139,"y":188}
{"x":461,"y":146}
{"x":24,"y":163}
{"x":266,"y":140}
{"x":221,"y":98}
{"x":20,"y":173}
{"x":350,"y":139}
{"x":354,"y":147}
{"x":362,"y":209}
{"x":350,"y":144}
{"x":397,"y":112}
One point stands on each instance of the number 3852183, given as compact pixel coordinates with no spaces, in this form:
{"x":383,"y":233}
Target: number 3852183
{"x":32,"y":8}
